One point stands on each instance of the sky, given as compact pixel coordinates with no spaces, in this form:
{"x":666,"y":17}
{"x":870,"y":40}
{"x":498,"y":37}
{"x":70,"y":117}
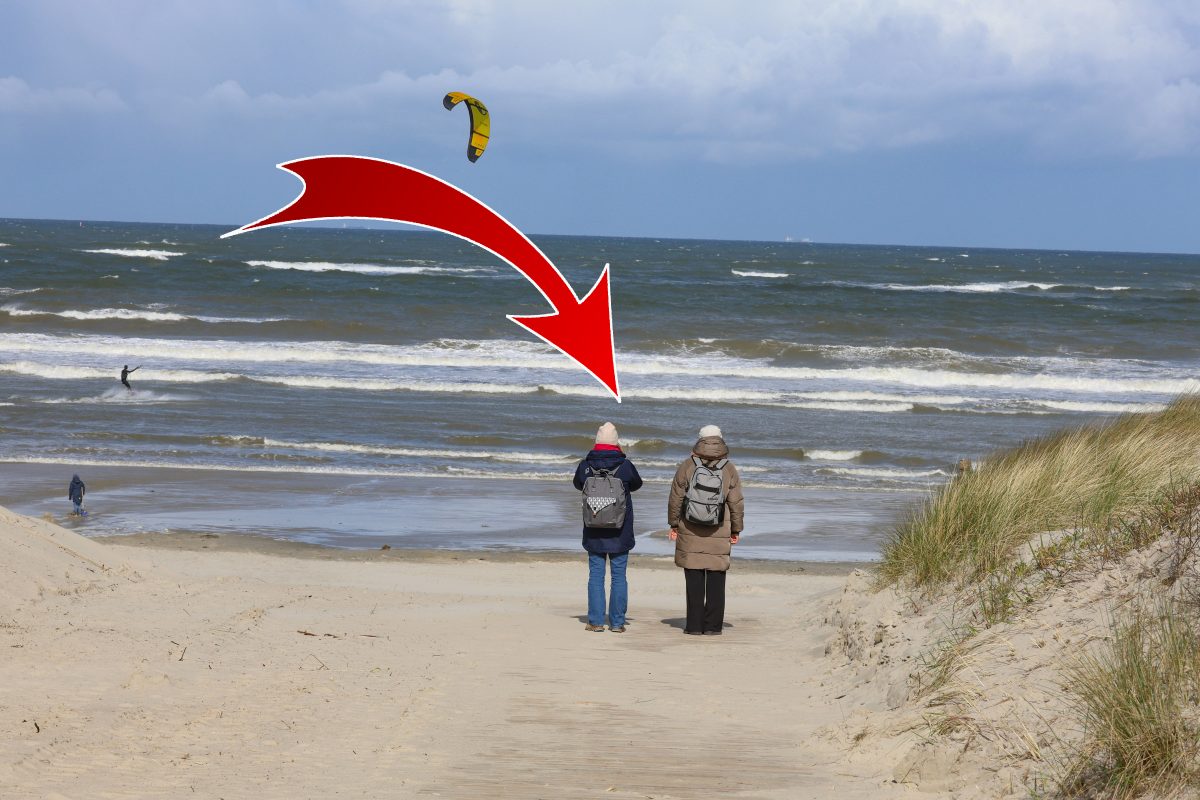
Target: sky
{"x":1071,"y":124}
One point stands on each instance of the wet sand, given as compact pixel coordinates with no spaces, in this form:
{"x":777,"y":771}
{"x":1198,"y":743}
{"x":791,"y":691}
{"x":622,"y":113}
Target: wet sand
{"x":356,"y":512}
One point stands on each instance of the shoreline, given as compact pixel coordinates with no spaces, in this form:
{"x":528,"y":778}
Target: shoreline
{"x":193,"y":541}
{"x":805,"y":525}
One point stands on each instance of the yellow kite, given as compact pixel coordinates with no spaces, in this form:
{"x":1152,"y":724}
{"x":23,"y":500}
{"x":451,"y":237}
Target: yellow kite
{"x":481,"y":122}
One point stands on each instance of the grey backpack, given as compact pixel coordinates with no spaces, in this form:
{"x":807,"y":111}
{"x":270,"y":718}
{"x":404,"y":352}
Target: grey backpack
{"x":603,"y":500}
{"x":704,"y":502}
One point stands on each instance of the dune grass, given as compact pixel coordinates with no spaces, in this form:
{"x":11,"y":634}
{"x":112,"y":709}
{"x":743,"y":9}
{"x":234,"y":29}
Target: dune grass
{"x":1136,"y":697}
{"x":970,"y":530}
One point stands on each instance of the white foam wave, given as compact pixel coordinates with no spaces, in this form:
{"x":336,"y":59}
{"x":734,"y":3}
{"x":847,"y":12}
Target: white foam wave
{"x":507,"y":354}
{"x":129,"y":314}
{"x":833,"y":455}
{"x":157,"y":255}
{"x":968,"y":288}
{"x":881,"y":397}
{"x":753,"y":274}
{"x":517,"y":457}
{"x":4,"y":244}
{"x":452,"y":472}
{"x":367,"y":269}
{"x":121,"y":396}
{"x":866,"y":472}
{"x":68,"y":372}
{"x":8,"y":292}
{"x":880,"y":408}
{"x":1102,"y":408}
{"x":1112,"y":288}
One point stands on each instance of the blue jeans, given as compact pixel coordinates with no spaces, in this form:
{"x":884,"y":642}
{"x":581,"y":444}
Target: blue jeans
{"x":78,"y":509}
{"x":618,"y":601}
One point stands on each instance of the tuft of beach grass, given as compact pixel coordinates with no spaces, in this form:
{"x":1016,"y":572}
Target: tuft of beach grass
{"x":970,"y":529}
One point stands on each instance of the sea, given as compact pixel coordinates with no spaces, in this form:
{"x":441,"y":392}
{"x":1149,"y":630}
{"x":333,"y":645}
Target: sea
{"x":357,"y":387}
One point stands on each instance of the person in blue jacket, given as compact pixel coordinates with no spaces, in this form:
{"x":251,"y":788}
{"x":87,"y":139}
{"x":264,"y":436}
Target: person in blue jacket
{"x":75,"y":494}
{"x":608,"y":545}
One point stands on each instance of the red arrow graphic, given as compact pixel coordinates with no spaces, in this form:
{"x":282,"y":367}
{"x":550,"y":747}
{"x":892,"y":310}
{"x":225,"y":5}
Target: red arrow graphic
{"x":371,"y":188}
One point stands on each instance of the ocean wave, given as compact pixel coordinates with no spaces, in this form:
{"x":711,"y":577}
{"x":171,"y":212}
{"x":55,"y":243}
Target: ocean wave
{"x":869,"y":472}
{"x":502,"y":354}
{"x":879,"y":408}
{"x":296,"y":469}
{"x":8,"y":292}
{"x":121,"y":396}
{"x":70,"y":372}
{"x":833,"y":455}
{"x":752,"y":274}
{"x":130,"y":314}
{"x":157,"y":255}
{"x":1112,"y":288}
{"x":968,"y":288}
{"x":1101,"y":408}
{"x":506,"y":456}
{"x":368,"y":269}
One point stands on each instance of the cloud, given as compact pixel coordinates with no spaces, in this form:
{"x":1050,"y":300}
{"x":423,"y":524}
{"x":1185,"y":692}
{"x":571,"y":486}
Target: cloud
{"x":18,"y":97}
{"x":706,"y":79}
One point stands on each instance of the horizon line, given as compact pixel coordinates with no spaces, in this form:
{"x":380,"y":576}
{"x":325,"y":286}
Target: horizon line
{"x":402,"y":228}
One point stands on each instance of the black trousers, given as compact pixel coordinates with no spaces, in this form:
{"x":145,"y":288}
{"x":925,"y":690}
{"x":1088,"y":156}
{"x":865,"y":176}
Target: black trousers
{"x":705,"y":599}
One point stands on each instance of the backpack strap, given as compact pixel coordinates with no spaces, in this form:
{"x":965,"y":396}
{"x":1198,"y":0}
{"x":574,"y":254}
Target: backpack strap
{"x":696,"y":460}
{"x":720,"y":465}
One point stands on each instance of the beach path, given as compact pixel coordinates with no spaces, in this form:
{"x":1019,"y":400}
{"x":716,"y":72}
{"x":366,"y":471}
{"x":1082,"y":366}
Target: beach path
{"x":233,"y":673}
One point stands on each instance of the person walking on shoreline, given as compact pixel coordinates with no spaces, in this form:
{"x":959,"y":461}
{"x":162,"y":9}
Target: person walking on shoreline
{"x":607,"y":479}
{"x":705,"y":514}
{"x":75,"y":493}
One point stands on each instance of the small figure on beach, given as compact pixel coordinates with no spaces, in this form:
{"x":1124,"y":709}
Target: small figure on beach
{"x":705,"y":513}
{"x":607,"y":478}
{"x":125,"y":373}
{"x":962,"y":468}
{"x":75,"y":493}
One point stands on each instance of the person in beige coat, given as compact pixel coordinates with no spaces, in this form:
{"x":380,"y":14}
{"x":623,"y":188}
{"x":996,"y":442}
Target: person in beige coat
{"x":703,"y":550}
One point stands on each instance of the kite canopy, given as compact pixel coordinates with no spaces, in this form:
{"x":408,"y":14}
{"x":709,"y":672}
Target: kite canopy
{"x":481,"y":122}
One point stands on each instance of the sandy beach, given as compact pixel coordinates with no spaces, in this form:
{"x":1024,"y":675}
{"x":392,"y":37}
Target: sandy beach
{"x":238,"y":667}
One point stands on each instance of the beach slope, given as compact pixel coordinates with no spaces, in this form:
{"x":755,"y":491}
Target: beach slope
{"x":149,"y":671}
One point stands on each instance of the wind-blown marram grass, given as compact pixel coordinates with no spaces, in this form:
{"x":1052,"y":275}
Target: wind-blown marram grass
{"x":973,"y":526}
{"x":1136,"y":698}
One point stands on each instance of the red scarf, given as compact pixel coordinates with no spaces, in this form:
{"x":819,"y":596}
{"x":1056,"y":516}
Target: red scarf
{"x":607,"y":447}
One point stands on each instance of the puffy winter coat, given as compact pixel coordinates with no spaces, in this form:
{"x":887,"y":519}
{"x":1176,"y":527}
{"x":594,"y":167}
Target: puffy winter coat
{"x":705,"y":546}
{"x":610,"y":540}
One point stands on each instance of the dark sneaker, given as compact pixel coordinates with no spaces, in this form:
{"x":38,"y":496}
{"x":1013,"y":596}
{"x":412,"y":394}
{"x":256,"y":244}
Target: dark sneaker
{"x":618,"y":629}
{"x":693,"y":633}
{"x":712,"y":633}
{"x":594,"y":628}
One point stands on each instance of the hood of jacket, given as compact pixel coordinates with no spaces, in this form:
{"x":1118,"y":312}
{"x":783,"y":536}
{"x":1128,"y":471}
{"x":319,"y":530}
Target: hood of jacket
{"x":605,"y":459}
{"x":711,"y":448}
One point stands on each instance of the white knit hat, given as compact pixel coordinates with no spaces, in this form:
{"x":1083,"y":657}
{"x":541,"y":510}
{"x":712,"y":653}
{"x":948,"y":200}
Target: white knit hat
{"x":607,"y":434}
{"x":710,"y":430}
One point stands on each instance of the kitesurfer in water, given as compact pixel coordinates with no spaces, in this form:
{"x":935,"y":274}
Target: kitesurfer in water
{"x":125,"y":375}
